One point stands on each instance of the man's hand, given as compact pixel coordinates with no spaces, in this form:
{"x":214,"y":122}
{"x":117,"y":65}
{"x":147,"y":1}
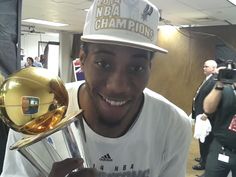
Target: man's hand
{"x":71,"y":167}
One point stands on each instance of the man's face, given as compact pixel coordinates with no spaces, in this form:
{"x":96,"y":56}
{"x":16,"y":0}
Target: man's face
{"x":29,"y":62}
{"x":208,"y":69}
{"x":115,"y":78}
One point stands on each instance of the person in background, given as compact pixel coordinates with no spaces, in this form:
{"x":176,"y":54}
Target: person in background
{"x":209,"y":69}
{"x":29,"y":62}
{"x":37,"y":62}
{"x":221,"y":101}
{"x":43,"y":60}
{"x":130,"y":130}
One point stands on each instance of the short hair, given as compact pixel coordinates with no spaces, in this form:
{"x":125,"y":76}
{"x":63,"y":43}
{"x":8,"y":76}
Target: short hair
{"x":31,"y":59}
{"x":211,"y":63}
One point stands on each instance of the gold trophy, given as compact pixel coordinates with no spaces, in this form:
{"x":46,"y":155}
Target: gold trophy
{"x":35,"y":103}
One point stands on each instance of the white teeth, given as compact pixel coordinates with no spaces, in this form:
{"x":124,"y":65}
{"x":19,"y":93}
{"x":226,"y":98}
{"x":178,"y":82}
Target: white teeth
{"x":114,"y":103}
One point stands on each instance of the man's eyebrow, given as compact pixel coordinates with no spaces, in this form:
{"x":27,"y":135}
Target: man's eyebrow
{"x":103,"y":51}
{"x":141,"y":55}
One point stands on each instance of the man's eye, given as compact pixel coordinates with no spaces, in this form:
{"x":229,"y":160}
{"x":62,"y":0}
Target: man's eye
{"x":103,"y":65}
{"x":137,"y":69}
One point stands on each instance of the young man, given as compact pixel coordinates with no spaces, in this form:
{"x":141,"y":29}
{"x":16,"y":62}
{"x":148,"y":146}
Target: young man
{"x":130,"y":130}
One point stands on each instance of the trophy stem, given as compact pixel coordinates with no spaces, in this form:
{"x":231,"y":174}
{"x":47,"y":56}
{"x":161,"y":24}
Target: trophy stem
{"x":43,"y":150}
{"x":75,"y":139}
{"x":37,"y":160}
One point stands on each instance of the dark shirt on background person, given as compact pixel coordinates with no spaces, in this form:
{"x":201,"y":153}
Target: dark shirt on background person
{"x":222,"y":155}
{"x":3,"y":139}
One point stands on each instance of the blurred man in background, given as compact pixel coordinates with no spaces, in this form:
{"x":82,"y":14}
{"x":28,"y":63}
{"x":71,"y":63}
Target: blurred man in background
{"x":209,"y":69}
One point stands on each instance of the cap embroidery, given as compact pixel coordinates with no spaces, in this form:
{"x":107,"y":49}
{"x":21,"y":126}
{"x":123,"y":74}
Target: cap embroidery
{"x":147,"y":11}
{"x":108,"y":16}
{"x":123,"y":22}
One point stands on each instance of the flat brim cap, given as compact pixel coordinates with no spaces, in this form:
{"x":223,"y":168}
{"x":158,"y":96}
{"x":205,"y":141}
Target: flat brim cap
{"x":132,"y":23}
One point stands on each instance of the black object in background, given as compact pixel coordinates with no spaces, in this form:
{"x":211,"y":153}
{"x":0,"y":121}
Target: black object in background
{"x":10,"y":22}
{"x":3,"y":139}
{"x":224,"y":53}
{"x":227,"y":76}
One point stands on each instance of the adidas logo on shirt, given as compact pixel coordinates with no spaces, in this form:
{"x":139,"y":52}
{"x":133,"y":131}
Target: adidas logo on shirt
{"x":106,"y":157}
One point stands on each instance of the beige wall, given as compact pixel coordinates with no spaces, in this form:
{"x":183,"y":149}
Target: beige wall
{"x":176,"y":75}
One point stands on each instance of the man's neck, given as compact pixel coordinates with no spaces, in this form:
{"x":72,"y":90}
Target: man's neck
{"x":208,"y":76}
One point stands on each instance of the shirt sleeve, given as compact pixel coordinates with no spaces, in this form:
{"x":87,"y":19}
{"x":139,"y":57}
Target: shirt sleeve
{"x":15,"y":165}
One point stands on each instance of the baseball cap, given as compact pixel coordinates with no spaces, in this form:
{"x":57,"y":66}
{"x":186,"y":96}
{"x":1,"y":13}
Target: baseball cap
{"x":123,"y":22}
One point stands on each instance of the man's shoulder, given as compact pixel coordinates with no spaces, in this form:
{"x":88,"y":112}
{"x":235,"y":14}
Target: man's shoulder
{"x":209,"y":84}
{"x":168,"y":115}
{"x":73,"y":85}
{"x":154,"y":96}
{"x":160,"y":102}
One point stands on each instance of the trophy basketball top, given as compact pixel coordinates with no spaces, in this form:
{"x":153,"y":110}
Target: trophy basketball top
{"x":33,"y":101}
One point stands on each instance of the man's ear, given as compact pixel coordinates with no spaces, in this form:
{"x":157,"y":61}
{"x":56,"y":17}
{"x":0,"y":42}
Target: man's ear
{"x":82,"y":57}
{"x":150,"y":64}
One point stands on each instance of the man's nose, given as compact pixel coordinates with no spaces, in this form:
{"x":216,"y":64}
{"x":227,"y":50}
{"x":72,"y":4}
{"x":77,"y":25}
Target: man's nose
{"x":119,"y":82}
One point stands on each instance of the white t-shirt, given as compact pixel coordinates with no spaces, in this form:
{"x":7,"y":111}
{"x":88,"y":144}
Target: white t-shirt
{"x":156,"y":145}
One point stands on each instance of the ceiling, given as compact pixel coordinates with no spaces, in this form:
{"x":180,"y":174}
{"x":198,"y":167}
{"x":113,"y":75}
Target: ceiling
{"x":175,"y":12}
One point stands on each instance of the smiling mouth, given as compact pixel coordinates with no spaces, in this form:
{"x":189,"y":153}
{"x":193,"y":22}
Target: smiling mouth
{"x":113,"y":102}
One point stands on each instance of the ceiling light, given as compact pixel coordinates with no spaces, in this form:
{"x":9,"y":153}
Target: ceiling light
{"x":43,"y":22}
{"x":232,"y":1}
